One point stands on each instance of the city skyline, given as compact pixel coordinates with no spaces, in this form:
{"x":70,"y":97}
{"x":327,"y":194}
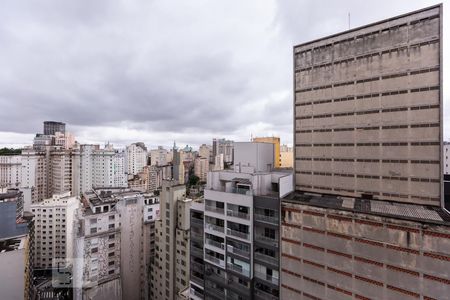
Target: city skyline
{"x":142,"y":87}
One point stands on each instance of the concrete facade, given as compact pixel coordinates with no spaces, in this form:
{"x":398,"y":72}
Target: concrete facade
{"x":136,"y":155}
{"x":330,"y":253}
{"x":170,"y":268}
{"x":368,"y":111}
{"x":276,"y":143}
{"x":446,"y":155}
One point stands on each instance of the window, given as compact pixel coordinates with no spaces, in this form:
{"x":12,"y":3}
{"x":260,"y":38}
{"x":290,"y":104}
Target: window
{"x":94,"y":250}
{"x":111,"y":217}
{"x":93,"y":230}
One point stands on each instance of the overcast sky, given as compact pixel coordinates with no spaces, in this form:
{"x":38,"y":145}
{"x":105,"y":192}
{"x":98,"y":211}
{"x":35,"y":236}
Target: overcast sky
{"x":158,"y":71}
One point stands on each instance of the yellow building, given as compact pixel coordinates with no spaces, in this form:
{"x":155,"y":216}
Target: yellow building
{"x":276,"y":142}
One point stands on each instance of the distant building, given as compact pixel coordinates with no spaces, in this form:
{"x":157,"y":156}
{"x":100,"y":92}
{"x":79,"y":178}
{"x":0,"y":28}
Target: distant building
{"x":136,"y":155}
{"x":276,"y":143}
{"x":170,"y":270}
{"x":201,"y":168}
{"x":225,"y":147}
{"x":52,"y":127}
{"x":95,"y":167}
{"x":205,"y":151}
{"x":218,"y":163}
{"x":10,"y":170}
{"x":158,"y":157}
{"x":287,"y":157}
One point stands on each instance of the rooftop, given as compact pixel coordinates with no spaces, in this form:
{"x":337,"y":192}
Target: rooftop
{"x":8,"y":226}
{"x":411,"y":212}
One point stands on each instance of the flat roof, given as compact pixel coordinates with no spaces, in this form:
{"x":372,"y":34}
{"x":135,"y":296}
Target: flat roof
{"x":8,"y":226}
{"x":370,"y":24}
{"x":405,"y":211}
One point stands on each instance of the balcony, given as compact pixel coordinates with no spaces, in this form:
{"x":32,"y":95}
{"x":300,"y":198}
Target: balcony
{"x":215,"y":244}
{"x":266,"y":219}
{"x":266,"y":240}
{"x":215,"y":260}
{"x":267,"y":277}
{"x":196,"y":294}
{"x":214,"y":227}
{"x":238,"y":234}
{"x":196,"y":251}
{"x":196,"y":279}
{"x":214,"y":209}
{"x":238,"y":269}
{"x":259,"y":294}
{"x":237,"y":214}
{"x":241,"y":191}
{"x":196,"y":221}
{"x":238,"y":251}
{"x":266,"y":258}
{"x":198,"y":267}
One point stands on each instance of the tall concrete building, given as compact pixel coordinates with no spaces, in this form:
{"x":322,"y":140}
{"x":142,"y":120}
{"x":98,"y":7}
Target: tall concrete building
{"x":52,"y":127}
{"x":235,"y":232}
{"x":365,"y":221}
{"x":205,"y":151}
{"x":158,"y":157}
{"x":286,"y":157}
{"x":368,"y":111}
{"x":170,"y":269}
{"x":136,"y":154}
{"x":276,"y":144}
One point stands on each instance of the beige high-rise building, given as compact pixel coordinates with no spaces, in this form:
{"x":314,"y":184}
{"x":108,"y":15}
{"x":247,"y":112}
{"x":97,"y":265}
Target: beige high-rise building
{"x":364,"y":221}
{"x":170,"y":269}
{"x":201,"y":168}
{"x":368,"y":111}
{"x":286,"y":157}
{"x":276,"y":143}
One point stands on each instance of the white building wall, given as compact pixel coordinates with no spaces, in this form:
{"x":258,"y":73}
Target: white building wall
{"x":10,"y":170}
{"x":136,"y":158}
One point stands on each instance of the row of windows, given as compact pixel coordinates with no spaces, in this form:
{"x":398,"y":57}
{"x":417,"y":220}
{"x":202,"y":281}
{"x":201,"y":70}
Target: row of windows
{"x":368,"y":128}
{"x":370,"y":144}
{"x":396,"y":161}
{"x":366,"y":35}
{"x":415,"y":179}
{"x":338,"y":189}
{"x":370,"y":79}
{"x":367,"y":112}
{"x":369,"y":55}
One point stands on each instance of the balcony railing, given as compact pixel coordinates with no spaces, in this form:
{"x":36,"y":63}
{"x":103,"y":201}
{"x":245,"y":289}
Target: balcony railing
{"x":239,"y":234}
{"x":214,"y":209}
{"x":197,"y":293}
{"x":238,"y":214}
{"x":196,"y":279}
{"x":240,"y":191}
{"x":215,"y":260}
{"x":196,"y":251}
{"x":267,"y":277}
{"x":238,"y":269}
{"x":215,"y":227}
{"x":267,"y":240}
{"x":238,"y":251}
{"x":215,"y":244}
{"x":197,"y":221}
{"x":263,"y":257}
{"x":264,"y":295}
{"x":267,"y":219}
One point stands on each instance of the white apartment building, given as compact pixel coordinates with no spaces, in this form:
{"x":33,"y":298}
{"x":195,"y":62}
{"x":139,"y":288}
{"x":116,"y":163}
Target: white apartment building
{"x":61,"y":171}
{"x":64,"y":140}
{"x":136,"y":155}
{"x":241,"y":238}
{"x":10,"y":170}
{"x":201,"y":168}
{"x":170,"y":269}
{"x":225,"y":147}
{"x":95,"y":167}
{"x":35,"y":174}
{"x":53,"y":219}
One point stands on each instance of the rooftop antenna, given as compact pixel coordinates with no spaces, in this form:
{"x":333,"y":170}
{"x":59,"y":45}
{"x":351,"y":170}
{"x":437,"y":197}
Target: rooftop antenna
{"x":348,"y":21}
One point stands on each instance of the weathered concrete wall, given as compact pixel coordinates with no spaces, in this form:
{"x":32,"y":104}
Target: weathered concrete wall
{"x":334,"y":254}
{"x":368,"y":111}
